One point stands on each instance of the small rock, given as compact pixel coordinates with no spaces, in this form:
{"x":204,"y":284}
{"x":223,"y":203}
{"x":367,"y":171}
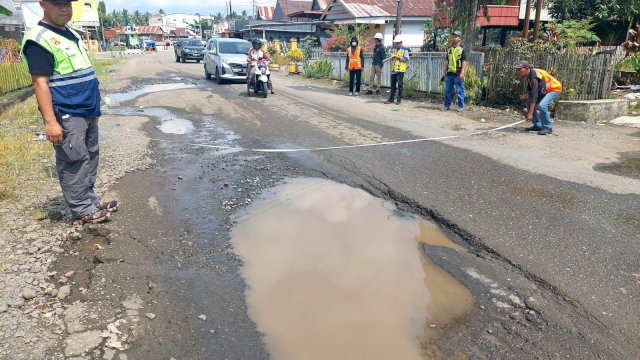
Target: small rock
{"x":202,"y":317}
{"x":150,"y":315}
{"x":109,"y":354}
{"x":70,"y":274}
{"x":17,"y":303}
{"x":54,"y":292}
{"x":489,"y":331}
{"x":180,"y":178}
{"x":82,"y":343}
{"x":123,"y":357}
{"x":63,"y":292}
{"x":482,"y":120}
{"x":3,"y":308}
{"x":29,"y":294}
{"x":432,"y":325}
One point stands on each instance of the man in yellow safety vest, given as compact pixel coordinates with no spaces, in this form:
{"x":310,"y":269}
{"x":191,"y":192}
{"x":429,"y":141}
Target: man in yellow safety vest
{"x":453,"y":72}
{"x":399,"y":59}
{"x":68,"y":97}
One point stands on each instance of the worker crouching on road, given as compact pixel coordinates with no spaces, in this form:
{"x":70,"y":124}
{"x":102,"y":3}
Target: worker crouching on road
{"x":543,"y":90}
{"x":454,"y":70}
{"x":66,"y":89}
{"x":399,"y":59}
{"x":355,"y":63}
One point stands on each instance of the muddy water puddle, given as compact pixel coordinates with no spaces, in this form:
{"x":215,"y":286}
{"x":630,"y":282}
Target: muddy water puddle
{"x":335,"y":273}
{"x":118,"y":98}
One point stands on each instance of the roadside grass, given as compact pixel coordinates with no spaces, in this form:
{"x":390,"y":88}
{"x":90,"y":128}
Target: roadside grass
{"x":23,"y":159}
{"x":102,"y":67}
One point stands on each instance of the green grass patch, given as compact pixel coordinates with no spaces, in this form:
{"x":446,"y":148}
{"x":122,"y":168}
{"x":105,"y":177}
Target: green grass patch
{"x":102,"y":67}
{"x":23,"y":159}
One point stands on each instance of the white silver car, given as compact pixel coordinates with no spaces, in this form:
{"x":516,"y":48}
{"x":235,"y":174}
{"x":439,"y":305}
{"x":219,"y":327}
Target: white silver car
{"x":226,"y":59}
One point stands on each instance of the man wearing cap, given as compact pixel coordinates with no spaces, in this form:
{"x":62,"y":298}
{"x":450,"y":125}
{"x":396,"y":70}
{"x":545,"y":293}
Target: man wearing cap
{"x":376,"y":65}
{"x":453,"y":72}
{"x":543,"y":90}
{"x":66,"y":89}
{"x":399,"y":59}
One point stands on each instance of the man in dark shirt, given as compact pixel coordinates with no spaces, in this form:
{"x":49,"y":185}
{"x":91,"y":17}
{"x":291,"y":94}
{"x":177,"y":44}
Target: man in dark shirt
{"x":68,"y":97}
{"x":453,"y":72}
{"x":376,"y":65}
{"x":543,"y":90}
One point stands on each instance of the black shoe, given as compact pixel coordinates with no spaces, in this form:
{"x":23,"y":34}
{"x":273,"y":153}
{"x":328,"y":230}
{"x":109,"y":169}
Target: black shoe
{"x":533,"y":128}
{"x":389,"y":101}
{"x":95,"y":217}
{"x":110,"y":206}
{"x":369,"y":92}
{"x":378,"y":92}
{"x":398,"y":102}
{"x":545,"y":131}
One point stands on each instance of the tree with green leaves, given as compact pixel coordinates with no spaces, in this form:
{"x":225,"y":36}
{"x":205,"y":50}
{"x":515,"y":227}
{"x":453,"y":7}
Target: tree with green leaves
{"x":603,"y":12}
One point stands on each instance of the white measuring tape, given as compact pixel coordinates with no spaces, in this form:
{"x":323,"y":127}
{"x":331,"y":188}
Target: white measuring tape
{"x":222,"y":147}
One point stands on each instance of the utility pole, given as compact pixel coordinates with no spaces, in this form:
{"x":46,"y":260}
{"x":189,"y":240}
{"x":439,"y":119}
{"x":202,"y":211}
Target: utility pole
{"x":527,"y":20}
{"x":398,"y":19}
{"x":254,"y":9}
{"x":536,"y":25}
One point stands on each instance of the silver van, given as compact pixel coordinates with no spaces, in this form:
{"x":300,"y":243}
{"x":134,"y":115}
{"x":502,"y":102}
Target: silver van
{"x":226,"y":59}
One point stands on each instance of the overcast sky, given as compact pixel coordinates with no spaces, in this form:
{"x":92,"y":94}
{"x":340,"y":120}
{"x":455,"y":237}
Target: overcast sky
{"x":205,"y":7}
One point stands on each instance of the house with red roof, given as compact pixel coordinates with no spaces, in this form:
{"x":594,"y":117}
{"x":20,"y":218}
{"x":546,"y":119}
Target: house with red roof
{"x":380,"y":16}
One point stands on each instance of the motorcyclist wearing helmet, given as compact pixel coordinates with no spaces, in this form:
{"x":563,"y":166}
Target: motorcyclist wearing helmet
{"x":256,"y":53}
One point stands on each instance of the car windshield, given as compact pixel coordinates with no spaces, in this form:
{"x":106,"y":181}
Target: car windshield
{"x":192,"y":43}
{"x":234,"y":47}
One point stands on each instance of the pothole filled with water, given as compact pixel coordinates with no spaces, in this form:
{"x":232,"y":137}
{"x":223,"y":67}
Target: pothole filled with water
{"x":335,"y":273}
{"x":117,"y":98}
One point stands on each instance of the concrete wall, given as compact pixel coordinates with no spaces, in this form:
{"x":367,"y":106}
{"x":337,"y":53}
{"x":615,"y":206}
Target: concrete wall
{"x":592,"y":111}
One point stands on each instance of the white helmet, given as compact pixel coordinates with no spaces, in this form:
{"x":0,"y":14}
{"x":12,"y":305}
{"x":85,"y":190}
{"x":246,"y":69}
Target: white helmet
{"x":378,"y":36}
{"x":398,"y":39}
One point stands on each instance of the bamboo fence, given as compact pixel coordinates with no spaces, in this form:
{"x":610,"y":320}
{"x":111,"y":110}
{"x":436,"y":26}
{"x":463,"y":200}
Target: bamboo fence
{"x":13,"y":76}
{"x":586,"y":75}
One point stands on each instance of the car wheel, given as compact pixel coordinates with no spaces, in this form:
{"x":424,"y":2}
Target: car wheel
{"x":207,"y":74}
{"x":177,"y":58}
{"x":183,"y":60}
{"x":218,"y":77}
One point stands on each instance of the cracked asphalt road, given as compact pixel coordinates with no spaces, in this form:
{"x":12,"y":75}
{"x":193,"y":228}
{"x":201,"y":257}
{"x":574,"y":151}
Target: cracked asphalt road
{"x":553,"y":263}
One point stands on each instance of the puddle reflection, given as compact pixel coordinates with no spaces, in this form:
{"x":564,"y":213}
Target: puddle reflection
{"x":334,"y":273}
{"x":117,"y":98}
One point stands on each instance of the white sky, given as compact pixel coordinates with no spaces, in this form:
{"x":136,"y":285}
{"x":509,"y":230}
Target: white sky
{"x":185,"y":6}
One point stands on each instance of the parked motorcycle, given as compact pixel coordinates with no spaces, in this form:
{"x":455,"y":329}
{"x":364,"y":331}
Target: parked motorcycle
{"x":261,"y":78}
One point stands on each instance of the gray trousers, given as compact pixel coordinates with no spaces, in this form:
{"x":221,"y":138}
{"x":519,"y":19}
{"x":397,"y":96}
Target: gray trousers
{"x":375,"y":77}
{"x":77,"y":164}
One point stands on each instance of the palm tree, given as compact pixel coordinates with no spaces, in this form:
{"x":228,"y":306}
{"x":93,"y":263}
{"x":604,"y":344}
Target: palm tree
{"x":245,"y":16}
{"x":161,"y":12}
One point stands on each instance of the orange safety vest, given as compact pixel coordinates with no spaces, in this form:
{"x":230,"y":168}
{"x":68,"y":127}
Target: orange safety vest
{"x":354,"y":58}
{"x":552,"y":84}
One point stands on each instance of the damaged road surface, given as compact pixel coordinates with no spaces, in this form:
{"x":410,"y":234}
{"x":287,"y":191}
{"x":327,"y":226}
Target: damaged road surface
{"x":236,"y":245}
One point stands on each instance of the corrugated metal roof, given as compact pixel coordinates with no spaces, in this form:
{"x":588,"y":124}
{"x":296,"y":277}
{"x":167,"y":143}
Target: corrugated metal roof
{"x":385,"y":8}
{"x":499,"y":16}
{"x":149,"y":30}
{"x":266,"y":12}
{"x":291,"y":7}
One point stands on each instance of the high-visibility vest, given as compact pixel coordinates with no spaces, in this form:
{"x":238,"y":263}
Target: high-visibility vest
{"x":74,"y":84}
{"x":396,"y":64}
{"x":551,"y":84}
{"x":354,"y":58}
{"x":454,"y":59}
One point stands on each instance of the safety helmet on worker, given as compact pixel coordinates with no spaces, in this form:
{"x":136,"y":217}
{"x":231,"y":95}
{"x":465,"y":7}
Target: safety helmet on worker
{"x":397,"y":39}
{"x":256,"y":42}
{"x":378,"y":36}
